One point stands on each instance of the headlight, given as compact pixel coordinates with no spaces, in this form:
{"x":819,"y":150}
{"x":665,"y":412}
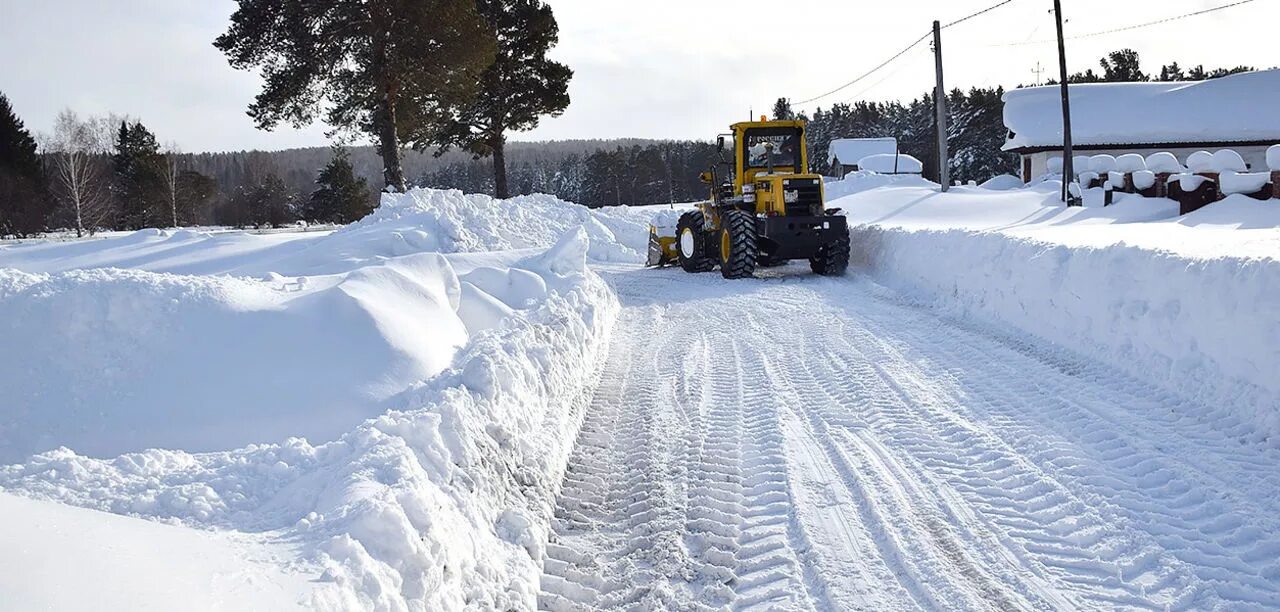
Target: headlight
{"x":791,"y":197}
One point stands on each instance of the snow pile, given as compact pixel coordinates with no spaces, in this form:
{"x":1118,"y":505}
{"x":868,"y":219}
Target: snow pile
{"x":1273,"y":158}
{"x":1190,"y":303}
{"x":1004,"y":182}
{"x":443,"y":501}
{"x":1243,"y":182}
{"x":1102,"y":164}
{"x":122,"y":360}
{"x":882,"y":163}
{"x":1200,"y":161}
{"x":1227,"y":160}
{"x":861,"y":181}
{"x":1130,"y":163}
{"x":448,"y":221}
{"x":1164,"y":162}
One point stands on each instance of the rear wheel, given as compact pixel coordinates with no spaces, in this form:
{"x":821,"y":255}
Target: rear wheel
{"x":739,"y":250}
{"x":691,"y":242}
{"x":832,"y":259}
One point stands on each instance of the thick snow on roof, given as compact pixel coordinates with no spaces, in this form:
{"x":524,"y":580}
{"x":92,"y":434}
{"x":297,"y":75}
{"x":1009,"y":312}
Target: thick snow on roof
{"x":850,"y":150}
{"x":1235,"y":108}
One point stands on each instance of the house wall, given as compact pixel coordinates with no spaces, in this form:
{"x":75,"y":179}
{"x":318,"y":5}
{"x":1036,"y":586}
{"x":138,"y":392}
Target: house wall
{"x":1254,"y":156}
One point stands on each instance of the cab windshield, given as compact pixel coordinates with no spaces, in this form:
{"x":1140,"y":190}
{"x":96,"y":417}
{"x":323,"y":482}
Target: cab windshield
{"x":786,"y":147}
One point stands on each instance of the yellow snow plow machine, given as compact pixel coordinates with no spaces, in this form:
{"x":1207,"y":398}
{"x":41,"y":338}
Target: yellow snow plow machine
{"x":766,"y":209}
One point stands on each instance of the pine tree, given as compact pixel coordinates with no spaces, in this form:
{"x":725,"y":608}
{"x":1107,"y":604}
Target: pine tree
{"x":342,"y":197}
{"x":385,"y":67}
{"x":519,"y":88}
{"x":782,"y":110}
{"x":138,"y":186}
{"x":1122,"y":66}
{"x":24,"y":198}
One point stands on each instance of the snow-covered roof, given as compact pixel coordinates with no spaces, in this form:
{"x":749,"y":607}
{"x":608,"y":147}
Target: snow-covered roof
{"x":850,"y":150}
{"x":1236,"y":108}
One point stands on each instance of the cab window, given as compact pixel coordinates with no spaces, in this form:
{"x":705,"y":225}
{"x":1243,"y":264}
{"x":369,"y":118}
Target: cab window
{"x":786,"y":147}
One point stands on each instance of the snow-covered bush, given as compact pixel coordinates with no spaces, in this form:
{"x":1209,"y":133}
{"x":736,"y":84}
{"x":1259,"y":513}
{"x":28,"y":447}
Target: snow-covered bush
{"x":1273,"y":158}
{"x":1080,"y":163}
{"x":1087,"y":178}
{"x":1243,"y":182}
{"x":1144,"y":180}
{"x":1131,"y":162}
{"x":1102,"y":164}
{"x":1116,"y":179}
{"x":1164,"y":162}
{"x":1227,"y":160}
{"x":1054,"y":165}
{"x":1200,"y":161}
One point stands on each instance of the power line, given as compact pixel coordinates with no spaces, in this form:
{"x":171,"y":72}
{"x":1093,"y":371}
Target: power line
{"x":899,"y":54}
{"x":1165,"y":20}
{"x":1134,"y":26}
{"x":979,"y":13}
{"x":867,"y":73}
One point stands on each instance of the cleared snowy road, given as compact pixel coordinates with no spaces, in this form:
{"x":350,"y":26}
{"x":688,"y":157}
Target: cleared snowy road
{"x":797,"y":442}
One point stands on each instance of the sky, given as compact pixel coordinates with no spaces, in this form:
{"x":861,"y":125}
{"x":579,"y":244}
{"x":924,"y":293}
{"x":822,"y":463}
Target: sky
{"x":672,"y":69}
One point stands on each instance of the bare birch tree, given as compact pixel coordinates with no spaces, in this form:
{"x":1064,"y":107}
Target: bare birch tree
{"x":170,"y":171}
{"x":77,"y":151}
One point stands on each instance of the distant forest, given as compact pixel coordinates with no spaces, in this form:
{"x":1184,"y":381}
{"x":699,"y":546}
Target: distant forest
{"x":112,"y":173}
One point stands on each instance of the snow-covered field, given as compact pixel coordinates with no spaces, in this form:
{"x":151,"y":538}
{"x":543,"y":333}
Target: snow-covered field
{"x":462,"y":403}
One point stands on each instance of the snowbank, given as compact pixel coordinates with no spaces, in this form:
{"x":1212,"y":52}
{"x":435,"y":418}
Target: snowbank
{"x":440,"y":503}
{"x":1190,"y":303}
{"x":62,"y":558}
{"x":1003,"y":182}
{"x":114,"y":361}
{"x":891,"y":164}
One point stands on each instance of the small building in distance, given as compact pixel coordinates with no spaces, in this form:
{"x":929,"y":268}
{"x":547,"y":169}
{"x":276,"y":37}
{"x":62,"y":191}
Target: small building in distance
{"x":1238,"y":112}
{"x":844,"y":153}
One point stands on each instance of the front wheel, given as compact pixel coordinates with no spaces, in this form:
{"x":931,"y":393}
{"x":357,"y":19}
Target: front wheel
{"x":833,"y":258}
{"x":739,"y":250}
{"x":691,"y":241}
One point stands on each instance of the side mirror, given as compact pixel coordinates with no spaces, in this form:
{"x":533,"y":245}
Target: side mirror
{"x":720,"y":142}
{"x":705,"y":177}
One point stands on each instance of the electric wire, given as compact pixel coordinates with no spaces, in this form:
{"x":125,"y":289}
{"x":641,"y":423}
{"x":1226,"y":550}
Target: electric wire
{"x":977,"y":14}
{"x":901,"y":53}
{"x":1137,"y":26}
{"x":867,"y":73}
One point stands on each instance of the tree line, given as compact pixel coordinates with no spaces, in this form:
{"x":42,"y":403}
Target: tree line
{"x":111,"y":173}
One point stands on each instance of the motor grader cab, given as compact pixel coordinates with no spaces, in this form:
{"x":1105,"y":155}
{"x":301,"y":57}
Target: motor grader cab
{"x":765,"y":209}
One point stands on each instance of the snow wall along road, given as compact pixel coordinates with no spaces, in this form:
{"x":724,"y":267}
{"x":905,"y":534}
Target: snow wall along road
{"x":441,"y":500}
{"x":1202,"y":322}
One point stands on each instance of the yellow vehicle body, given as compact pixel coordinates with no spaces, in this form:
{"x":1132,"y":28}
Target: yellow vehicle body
{"x":766,"y":210}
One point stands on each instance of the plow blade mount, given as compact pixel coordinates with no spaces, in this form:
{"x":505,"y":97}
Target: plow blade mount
{"x":662,"y":249}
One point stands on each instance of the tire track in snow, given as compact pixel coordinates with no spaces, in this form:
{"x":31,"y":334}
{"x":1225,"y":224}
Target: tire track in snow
{"x":802,"y":443}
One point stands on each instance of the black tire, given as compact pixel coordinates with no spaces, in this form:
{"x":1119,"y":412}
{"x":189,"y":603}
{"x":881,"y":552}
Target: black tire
{"x":769,"y":261}
{"x":699,"y":260}
{"x":738,"y":248}
{"x":832,"y":259}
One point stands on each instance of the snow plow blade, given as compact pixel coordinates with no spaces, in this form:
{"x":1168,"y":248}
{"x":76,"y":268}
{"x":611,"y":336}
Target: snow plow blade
{"x":662,"y":249}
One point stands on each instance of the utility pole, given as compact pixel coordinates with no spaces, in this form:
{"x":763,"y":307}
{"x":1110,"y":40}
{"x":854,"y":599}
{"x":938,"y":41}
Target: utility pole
{"x":1039,"y":72}
{"x":940,"y":103}
{"x":1068,"y":169}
